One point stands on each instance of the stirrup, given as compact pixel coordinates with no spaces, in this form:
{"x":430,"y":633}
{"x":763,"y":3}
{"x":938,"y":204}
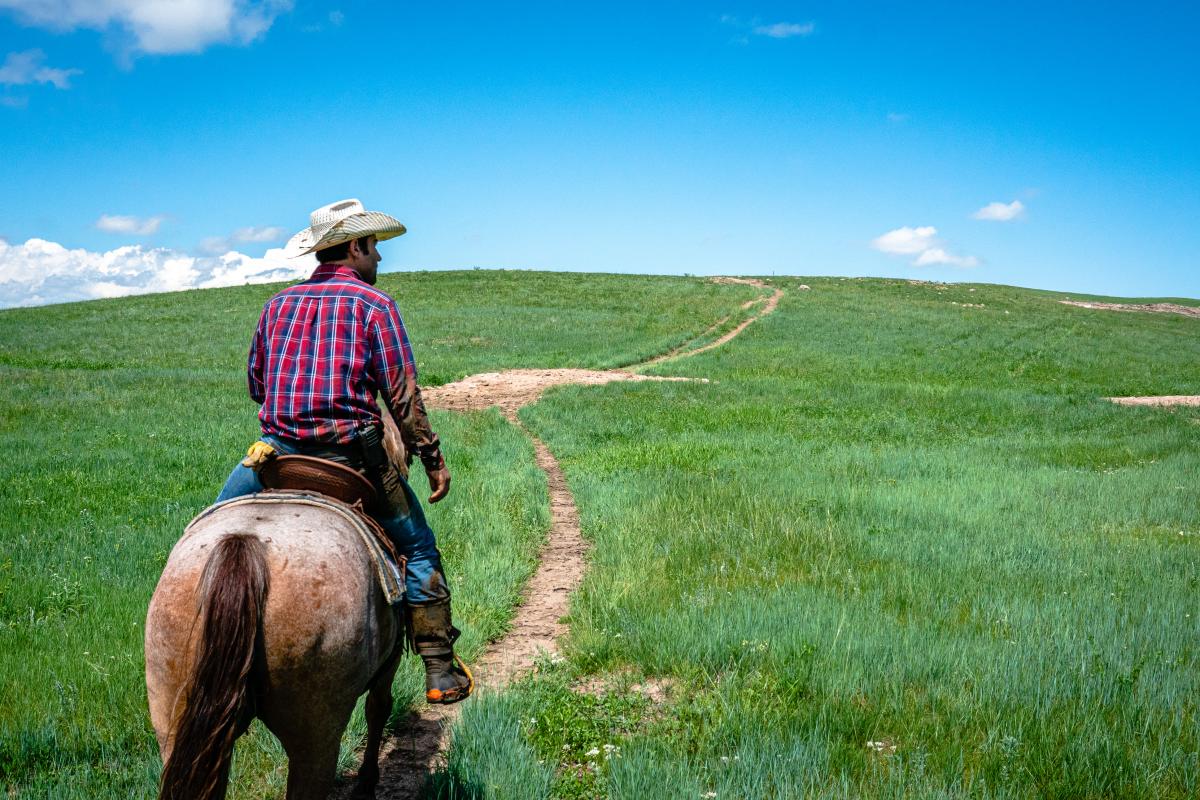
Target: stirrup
{"x":447,"y":696}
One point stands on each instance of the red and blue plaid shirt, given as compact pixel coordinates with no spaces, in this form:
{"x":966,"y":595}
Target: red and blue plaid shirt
{"x":322,"y":349}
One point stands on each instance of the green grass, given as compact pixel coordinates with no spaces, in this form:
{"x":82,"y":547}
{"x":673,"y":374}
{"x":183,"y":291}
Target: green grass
{"x":894,"y":519}
{"x":541,"y":738}
{"x":119,"y":421}
{"x":888,"y":517}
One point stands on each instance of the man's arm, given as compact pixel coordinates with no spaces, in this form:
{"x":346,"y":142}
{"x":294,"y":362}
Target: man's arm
{"x":396,"y":377}
{"x":256,"y":363}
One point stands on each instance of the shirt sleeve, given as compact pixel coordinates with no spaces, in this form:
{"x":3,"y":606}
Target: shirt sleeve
{"x":257,"y":361}
{"x":395,"y":375}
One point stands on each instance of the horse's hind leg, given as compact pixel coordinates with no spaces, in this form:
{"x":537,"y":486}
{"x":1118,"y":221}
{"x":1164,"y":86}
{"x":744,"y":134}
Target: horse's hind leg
{"x":378,"y":709}
{"x":311,"y":734}
{"x":312,"y":766}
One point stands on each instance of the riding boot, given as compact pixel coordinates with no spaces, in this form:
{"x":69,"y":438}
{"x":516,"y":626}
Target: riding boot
{"x":447,"y":679}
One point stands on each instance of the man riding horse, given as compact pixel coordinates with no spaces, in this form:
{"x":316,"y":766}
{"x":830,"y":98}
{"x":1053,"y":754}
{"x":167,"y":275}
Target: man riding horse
{"x":321,"y":352}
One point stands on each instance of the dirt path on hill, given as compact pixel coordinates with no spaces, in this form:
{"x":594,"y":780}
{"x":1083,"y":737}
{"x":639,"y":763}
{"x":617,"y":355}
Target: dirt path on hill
{"x":515,"y":388}
{"x":1160,"y":400}
{"x":768,"y":302}
{"x":512,"y":389}
{"x":1157,"y":308}
{"x":417,"y":748}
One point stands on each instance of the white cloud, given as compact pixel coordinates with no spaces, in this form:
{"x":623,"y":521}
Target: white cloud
{"x":114,"y":223}
{"x":259,"y":234}
{"x":337,"y":17}
{"x":920,"y":242}
{"x":755,"y":25}
{"x":157,"y":26}
{"x":216,"y":245}
{"x":24,"y":68}
{"x":897,"y":118}
{"x":785,"y":30}
{"x":906,"y":240}
{"x":39,"y":272}
{"x":936,"y":255}
{"x":1001,"y":212}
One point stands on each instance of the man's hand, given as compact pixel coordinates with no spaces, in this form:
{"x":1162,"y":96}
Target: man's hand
{"x":439,"y":483}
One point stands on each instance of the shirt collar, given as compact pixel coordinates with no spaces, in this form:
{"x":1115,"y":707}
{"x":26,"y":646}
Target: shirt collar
{"x":324,"y":272}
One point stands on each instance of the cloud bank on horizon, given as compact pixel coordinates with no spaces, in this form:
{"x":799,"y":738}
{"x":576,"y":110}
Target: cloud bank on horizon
{"x":39,"y":272}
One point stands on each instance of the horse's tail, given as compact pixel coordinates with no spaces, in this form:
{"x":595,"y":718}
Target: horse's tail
{"x":233,"y":592}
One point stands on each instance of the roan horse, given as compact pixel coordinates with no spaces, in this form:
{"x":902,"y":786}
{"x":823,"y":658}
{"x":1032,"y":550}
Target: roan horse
{"x":268,"y":610}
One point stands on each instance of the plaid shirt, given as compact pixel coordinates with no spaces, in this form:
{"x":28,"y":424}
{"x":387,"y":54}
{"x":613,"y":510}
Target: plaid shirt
{"x":321,"y":351}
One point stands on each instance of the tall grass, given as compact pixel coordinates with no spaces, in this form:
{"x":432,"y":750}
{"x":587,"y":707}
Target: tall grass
{"x":899,"y":547}
{"x":120,"y":419}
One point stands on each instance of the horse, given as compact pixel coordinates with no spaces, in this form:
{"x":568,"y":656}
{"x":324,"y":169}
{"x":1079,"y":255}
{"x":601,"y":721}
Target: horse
{"x":269,"y":609}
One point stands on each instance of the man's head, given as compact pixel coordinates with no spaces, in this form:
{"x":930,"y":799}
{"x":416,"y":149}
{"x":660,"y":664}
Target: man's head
{"x":359,"y":254}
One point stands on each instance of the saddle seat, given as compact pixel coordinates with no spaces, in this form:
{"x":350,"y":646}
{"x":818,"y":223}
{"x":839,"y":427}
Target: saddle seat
{"x":308,"y":473}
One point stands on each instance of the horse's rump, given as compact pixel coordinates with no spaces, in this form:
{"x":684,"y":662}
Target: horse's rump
{"x":326,"y":625}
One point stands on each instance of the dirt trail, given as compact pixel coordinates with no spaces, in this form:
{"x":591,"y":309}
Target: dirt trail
{"x":515,"y":388}
{"x":769,"y":304}
{"x":1159,"y":308}
{"x":1160,"y":400}
{"x":538,"y":622}
{"x":417,"y":748}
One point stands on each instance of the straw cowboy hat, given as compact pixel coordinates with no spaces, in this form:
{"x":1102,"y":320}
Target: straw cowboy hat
{"x":340,"y":222}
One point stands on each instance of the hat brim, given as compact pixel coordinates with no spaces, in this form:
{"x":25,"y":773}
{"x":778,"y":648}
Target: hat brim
{"x":367,"y":223}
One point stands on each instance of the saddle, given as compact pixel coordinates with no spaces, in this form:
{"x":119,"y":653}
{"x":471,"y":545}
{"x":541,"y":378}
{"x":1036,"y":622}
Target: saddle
{"x":289,"y":475}
{"x":308,"y":473}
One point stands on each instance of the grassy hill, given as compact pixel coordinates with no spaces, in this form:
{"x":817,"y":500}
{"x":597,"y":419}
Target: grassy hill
{"x":897,"y":546}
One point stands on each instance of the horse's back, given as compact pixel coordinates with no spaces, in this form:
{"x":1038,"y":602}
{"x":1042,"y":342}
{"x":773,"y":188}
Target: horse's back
{"x":326,"y":627}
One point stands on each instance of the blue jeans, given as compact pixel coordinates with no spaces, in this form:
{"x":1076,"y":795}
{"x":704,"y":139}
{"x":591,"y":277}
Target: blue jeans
{"x":424,"y":580}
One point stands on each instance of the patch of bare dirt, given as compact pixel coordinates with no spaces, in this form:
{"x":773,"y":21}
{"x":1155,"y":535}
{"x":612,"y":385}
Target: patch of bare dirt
{"x":410,"y":754}
{"x":515,"y":388}
{"x":413,"y":752}
{"x":1157,"y":308}
{"x":657,"y":690}
{"x":1160,"y":400}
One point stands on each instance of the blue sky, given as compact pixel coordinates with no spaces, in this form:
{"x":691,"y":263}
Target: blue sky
{"x":824,"y":138}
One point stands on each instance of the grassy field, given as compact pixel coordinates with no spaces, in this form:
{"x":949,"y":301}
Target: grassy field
{"x":897,"y":547}
{"x":119,"y":421}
